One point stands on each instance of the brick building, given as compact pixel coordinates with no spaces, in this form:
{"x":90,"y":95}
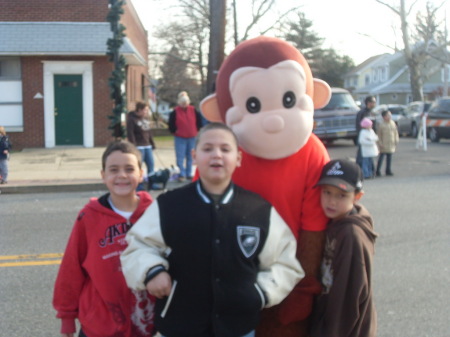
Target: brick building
{"x":54,"y":70}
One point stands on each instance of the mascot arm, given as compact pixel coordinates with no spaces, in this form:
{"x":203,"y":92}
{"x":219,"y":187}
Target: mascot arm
{"x":298,"y":305}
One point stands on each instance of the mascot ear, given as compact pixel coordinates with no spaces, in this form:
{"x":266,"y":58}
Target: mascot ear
{"x":322,"y":94}
{"x":210,"y":109}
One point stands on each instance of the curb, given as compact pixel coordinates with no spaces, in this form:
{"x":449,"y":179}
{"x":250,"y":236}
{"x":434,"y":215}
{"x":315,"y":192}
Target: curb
{"x":26,"y":187}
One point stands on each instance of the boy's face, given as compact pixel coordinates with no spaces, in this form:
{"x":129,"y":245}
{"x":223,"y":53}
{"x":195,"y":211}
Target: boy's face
{"x":387,"y":117}
{"x":336,"y":203}
{"x":216,"y":156}
{"x":122,"y":174}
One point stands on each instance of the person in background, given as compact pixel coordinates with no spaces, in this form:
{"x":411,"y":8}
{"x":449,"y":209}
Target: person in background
{"x":387,"y":142}
{"x":369,"y":103}
{"x":211,"y":252}
{"x":140,"y":134}
{"x":5,"y":147}
{"x":184,"y":123}
{"x":369,"y":149}
{"x":345,"y":308}
{"x":90,"y":285}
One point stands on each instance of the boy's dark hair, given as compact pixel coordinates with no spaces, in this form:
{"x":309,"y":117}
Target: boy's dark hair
{"x":140,"y":105}
{"x":122,"y":146}
{"x":214,"y":126}
{"x":384,"y":113}
{"x":369,"y":99}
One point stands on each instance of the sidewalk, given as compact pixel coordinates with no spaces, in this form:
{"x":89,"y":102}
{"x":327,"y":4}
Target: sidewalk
{"x":64,"y":169}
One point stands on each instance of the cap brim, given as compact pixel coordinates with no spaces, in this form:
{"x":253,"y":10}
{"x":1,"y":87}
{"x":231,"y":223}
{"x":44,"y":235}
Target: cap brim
{"x":336,"y":182}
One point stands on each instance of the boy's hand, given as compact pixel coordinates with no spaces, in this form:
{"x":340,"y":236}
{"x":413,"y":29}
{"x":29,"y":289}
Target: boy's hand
{"x":160,"y":286}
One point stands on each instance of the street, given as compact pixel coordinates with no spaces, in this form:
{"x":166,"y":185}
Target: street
{"x":411,"y":273}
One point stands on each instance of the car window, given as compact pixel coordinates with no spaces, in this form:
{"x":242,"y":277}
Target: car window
{"x":341,"y":101}
{"x":426,"y":107}
{"x":445,"y":106}
{"x":396,"y":110}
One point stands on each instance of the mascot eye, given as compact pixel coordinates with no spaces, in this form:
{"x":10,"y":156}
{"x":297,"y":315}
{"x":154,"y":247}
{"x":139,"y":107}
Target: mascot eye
{"x":253,"y":105}
{"x":289,"y":99}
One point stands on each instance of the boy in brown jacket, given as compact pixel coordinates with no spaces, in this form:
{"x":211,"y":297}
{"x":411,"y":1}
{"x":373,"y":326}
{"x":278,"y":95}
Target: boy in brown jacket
{"x":345,"y":307}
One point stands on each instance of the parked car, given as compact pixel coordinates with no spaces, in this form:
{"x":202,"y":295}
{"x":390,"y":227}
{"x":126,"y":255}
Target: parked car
{"x":438,"y":120}
{"x":337,"y":120}
{"x":411,"y":120}
{"x":397,"y":111}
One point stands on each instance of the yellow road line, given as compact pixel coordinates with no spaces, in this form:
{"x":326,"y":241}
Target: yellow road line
{"x":30,"y":263}
{"x":31,"y":256}
{"x":33,"y":260}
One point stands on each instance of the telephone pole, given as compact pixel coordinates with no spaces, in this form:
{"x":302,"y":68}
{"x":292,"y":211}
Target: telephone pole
{"x":216,"y":56}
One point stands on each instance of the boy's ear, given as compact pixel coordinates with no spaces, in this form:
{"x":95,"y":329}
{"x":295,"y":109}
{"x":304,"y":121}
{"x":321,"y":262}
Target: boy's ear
{"x":193,"y":154}
{"x":359,"y":195}
{"x":239,"y":159}
{"x":141,"y":178}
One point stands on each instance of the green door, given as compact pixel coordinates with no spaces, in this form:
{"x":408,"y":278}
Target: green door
{"x":68,"y":110}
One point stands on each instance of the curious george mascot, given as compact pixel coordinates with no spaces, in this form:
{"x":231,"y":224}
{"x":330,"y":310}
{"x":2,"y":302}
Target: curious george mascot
{"x":266,"y":93}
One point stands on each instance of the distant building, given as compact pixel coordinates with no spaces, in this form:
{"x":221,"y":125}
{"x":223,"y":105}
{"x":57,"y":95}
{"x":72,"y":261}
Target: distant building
{"x":54,"y":70}
{"x":386,"y":77}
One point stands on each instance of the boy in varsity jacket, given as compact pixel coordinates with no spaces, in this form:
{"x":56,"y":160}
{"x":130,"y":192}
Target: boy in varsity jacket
{"x":213,"y":254}
{"x":90,"y":285}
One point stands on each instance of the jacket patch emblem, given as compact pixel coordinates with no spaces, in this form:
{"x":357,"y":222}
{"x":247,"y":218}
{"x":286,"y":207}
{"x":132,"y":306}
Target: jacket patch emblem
{"x":248,"y":239}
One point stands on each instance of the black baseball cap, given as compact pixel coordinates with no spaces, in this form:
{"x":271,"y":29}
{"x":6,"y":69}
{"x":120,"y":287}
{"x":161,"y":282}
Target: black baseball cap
{"x":343,"y":174}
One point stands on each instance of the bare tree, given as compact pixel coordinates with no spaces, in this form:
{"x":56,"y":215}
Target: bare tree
{"x":416,"y":53}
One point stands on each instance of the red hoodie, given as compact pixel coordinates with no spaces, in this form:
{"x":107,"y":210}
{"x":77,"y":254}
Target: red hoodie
{"x":90,"y":285}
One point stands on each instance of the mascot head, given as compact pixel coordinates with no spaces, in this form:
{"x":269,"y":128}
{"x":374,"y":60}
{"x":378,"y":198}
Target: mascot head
{"x":266,"y":93}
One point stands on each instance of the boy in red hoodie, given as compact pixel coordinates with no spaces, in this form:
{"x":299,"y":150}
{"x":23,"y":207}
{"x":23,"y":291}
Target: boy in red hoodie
{"x":90,"y":285}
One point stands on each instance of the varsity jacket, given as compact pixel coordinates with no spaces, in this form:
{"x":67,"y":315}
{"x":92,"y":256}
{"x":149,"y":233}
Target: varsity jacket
{"x":90,"y":285}
{"x":227,"y":260}
{"x":345,"y":308}
{"x":185,"y":123}
{"x":138,"y":130}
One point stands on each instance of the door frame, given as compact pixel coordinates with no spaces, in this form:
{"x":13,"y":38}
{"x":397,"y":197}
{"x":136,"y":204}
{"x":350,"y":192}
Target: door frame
{"x":83,"y":68}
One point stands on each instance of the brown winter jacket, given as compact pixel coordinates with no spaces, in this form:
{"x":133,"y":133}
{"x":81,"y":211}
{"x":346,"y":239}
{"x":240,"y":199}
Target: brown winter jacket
{"x":387,"y":136}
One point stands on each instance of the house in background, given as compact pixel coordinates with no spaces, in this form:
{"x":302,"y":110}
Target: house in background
{"x":54,"y":71}
{"x":386,"y":77}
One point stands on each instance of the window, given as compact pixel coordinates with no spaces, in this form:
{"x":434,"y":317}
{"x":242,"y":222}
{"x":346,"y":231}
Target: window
{"x":9,"y":69}
{"x":367,"y":80}
{"x":11,"y":112}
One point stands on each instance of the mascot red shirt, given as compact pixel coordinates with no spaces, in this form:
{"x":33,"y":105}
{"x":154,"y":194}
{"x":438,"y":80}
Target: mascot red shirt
{"x":266,"y":93}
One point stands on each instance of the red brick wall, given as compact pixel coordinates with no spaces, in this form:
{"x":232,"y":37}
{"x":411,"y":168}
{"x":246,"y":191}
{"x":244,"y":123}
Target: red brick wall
{"x":54,"y":10}
{"x":137,"y":34}
{"x":32,"y":67}
{"x":134,"y":29}
{"x":33,"y":109}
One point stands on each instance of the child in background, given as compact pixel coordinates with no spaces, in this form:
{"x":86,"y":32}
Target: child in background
{"x":387,"y":142}
{"x":90,"y":285}
{"x":212,"y":253}
{"x":5,"y":147}
{"x":345,"y":308}
{"x":369,"y":150}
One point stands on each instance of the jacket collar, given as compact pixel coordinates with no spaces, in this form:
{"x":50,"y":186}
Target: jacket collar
{"x":226,"y":196}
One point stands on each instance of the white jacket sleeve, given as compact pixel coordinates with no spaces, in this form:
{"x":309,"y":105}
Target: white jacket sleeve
{"x":146,"y":248}
{"x":280,"y":270}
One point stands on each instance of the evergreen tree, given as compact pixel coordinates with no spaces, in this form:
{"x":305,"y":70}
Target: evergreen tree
{"x":118,"y":74}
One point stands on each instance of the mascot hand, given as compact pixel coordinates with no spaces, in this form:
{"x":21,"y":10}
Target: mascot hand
{"x":298,"y":305}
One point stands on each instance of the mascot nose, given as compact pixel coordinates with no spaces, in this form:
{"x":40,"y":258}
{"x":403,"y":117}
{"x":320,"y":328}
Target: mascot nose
{"x":273,"y":123}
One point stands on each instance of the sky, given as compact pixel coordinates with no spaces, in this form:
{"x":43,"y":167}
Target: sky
{"x":344,"y":24}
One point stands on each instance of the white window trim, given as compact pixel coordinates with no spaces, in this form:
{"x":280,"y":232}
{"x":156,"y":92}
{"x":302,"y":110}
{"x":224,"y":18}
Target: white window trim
{"x":83,"y":68}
